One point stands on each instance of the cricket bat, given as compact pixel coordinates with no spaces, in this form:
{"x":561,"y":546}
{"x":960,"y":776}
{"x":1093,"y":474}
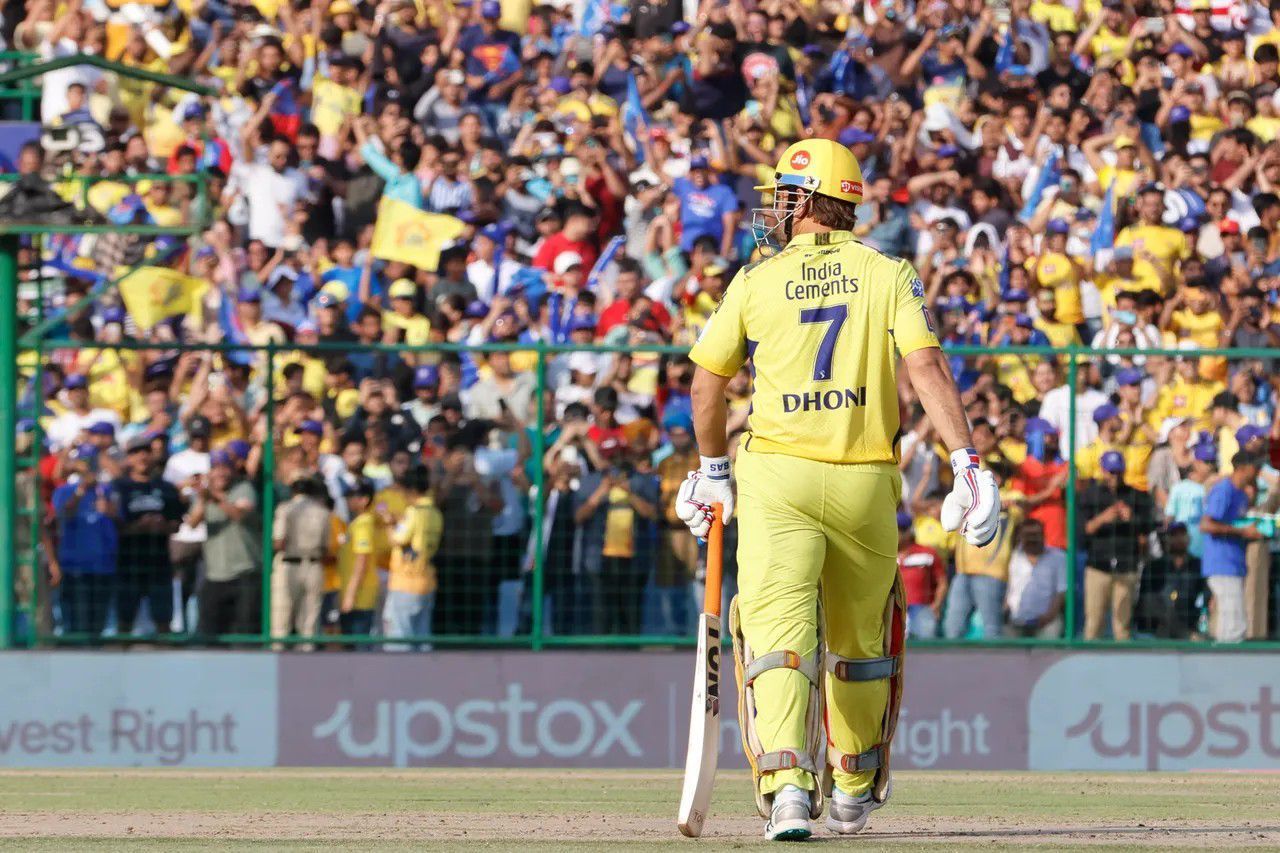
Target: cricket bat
{"x":704,"y":711}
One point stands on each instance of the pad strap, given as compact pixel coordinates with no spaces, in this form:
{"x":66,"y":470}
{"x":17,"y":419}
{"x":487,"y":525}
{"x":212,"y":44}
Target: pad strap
{"x":784,"y":659}
{"x":785,"y":759}
{"x":863,"y":669}
{"x":849,"y":762}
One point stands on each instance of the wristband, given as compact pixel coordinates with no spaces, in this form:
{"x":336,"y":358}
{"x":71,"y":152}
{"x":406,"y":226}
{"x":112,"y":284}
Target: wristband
{"x":715,"y":467}
{"x":964,"y":458}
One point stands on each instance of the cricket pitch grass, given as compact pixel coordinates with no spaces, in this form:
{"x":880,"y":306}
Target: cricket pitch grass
{"x":579,"y":810}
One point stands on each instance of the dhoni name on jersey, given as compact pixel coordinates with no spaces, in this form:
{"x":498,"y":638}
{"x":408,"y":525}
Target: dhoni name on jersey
{"x":823,"y":322}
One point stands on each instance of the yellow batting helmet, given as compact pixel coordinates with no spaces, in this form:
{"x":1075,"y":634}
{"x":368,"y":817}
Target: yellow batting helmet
{"x":821,"y":166}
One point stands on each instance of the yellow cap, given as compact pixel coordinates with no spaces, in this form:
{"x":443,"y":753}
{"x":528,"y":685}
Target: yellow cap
{"x":341,"y":7}
{"x":402,"y":289}
{"x":1122,"y":142}
{"x":822,"y":166}
{"x":337,"y":290}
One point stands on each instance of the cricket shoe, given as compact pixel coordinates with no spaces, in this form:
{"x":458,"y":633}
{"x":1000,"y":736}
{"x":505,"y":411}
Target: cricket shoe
{"x":847,"y":814}
{"x":789,"y":820}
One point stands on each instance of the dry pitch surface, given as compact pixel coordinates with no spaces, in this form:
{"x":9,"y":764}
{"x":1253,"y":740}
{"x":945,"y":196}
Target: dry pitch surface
{"x":419,"y":810}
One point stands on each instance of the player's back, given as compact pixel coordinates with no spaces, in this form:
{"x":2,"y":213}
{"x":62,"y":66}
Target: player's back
{"x":821,"y":321}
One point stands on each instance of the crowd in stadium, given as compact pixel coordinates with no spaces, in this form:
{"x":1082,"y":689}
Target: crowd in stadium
{"x":1090,"y":174}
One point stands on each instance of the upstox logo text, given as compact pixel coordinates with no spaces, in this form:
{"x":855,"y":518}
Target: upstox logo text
{"x":1155,"y":712}
{"x":410,"y":732}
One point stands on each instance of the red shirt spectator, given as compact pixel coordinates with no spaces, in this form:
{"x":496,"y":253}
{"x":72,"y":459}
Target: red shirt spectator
{"x":629,"y":287}
{"x":922,"y":573}
{"x":1034,"y":478}
{"x":577,"y":236}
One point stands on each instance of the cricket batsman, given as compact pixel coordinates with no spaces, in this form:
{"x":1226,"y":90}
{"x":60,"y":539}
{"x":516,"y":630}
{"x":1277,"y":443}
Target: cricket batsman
{"x":818,"y":623}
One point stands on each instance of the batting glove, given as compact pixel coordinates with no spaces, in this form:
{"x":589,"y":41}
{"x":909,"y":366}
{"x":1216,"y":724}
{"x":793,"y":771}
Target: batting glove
{"x":973,"y":507}
{"x":711,"y":484}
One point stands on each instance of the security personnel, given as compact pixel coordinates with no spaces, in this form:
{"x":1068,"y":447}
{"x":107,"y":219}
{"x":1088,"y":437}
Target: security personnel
{"x":824,"y":320}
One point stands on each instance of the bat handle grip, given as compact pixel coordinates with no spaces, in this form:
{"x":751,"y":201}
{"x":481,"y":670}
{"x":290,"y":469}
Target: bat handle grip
{"x":715,"y":563}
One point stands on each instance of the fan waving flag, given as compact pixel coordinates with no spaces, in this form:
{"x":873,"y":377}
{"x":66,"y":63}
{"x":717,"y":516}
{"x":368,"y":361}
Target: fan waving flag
{"x":154,"y":294}
{"x":634,"y":118}
{"x":1048,"y":175}
{"x":404,"y":233}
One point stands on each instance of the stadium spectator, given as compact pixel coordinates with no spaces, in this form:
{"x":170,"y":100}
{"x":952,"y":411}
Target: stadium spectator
{"x":150,"y":510}
{"x":411,"y":580}
{"x":232,"y":588}
{"x":924,"y":577}
{"x":1225,"y":538}
{"x":1172,"y":586}
{"x":1037,"y":585}
{"x":1116,"y":521}
{"x":88,"y":542}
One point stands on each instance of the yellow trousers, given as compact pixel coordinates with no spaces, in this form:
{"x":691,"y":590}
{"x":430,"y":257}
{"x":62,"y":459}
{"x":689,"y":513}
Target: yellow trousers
{"x":802,"y":522}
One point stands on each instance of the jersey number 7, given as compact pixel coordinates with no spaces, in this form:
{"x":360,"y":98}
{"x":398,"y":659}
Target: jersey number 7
{"x":834,"y":316}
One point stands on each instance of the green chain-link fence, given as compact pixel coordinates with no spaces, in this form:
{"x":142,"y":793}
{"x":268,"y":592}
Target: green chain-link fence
{"x":541,"y":539}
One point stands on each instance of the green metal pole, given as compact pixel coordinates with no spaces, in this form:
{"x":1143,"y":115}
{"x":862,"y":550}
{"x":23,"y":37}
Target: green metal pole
{"x":1073,"y":375}
{"x":8,"y":430}
{"x":268,"y":472}
{"x":539,"y":498}
{"x":37,"y":443}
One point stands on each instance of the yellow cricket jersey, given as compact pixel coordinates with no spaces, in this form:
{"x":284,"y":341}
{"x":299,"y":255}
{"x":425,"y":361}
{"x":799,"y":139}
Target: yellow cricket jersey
{"x":366,"y":537}
{"x":417,"y":537}
{"x":1167,"y":245}
{"x":1183,"y":399}
{"x":1055,"y":271}
{"x":821,"y":322}
{"x":992,"y":559}
{"x":1136,"y":455}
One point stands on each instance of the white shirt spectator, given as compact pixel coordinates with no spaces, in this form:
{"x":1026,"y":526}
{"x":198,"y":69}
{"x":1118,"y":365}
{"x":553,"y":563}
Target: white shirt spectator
{"x":67,"y":426}
{"x":180,"y":468}
{"x":1033,"y":584}
{"x":480,"y":274}
{"x":53,"y":86}
{"x":271,"y":196}
{"x":1056,"y":409}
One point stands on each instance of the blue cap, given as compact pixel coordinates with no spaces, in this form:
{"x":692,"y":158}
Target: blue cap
{"x":680,"y":28}
{"x":220,"y":457}
{"x":25,"y":425}
{"x":311,"y":426}
{"x":1129,"y":376}
{"x":75,"y":380}
{"x":582,"y":323}
{"x":1017,"y":295}
{"x":854,"y":136}
{"x":1205,"y":452}
{"x":699,"y":162}
{"x":948,"y":151}
{"x":327,"y":300}
{"x":491,"y":9}
{"x":1039,"y":426}
{"x":1187,"y":224}
{"x":677,"y":418}
{"x":84,"y":451}
{"x":248,"y":294}
{"x":1112,"y":462}
{"x":1176,"y":527}
{"x":1058,"y":226}
{"x":952,"y":303}
{"x":1104,"y":413}
{"x":476,"y":309}
{"x":904,"y":520}
{"x":426,"y":376}
{"x":193,"y":111}
{"x":1179,"y":114}
{"x":238,"y":448}
{"x":101,"y":428}
{"x":1248,"y":433}
{"x":205,"y":252}
{"x":1024,"y":321}
{"x":560,"y":85}
{"x":1182,"y":50}
{"x":114,"y":314}
{"x":497,"y":232}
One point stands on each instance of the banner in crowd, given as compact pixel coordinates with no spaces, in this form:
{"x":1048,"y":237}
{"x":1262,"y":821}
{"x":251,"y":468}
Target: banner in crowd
{"x":993,"y":710}
{"x":154,"y":294}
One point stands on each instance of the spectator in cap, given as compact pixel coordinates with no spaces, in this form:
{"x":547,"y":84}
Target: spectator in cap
{"x":1037,"y":586}
{"x":301,"y":536}
{"x":425,"y":404}
{"x":1185,"y":504}
{"x":924,"y":577}
{"x":1042,"y":477}
{"x":1171,"y":586}
{"x":363,"y":551}
{"x":230,"y":593}
{"x":86,"y":513}
{"x":1117,"y":519}
{"x":1226,"y":535}
{"x":150,"y":512}
{"x":69,"y":428}
{"x":677,"y":547}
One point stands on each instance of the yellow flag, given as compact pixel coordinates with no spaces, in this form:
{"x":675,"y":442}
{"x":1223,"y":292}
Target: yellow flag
{"x":404,"y":233}
{"x":153,"y":294}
